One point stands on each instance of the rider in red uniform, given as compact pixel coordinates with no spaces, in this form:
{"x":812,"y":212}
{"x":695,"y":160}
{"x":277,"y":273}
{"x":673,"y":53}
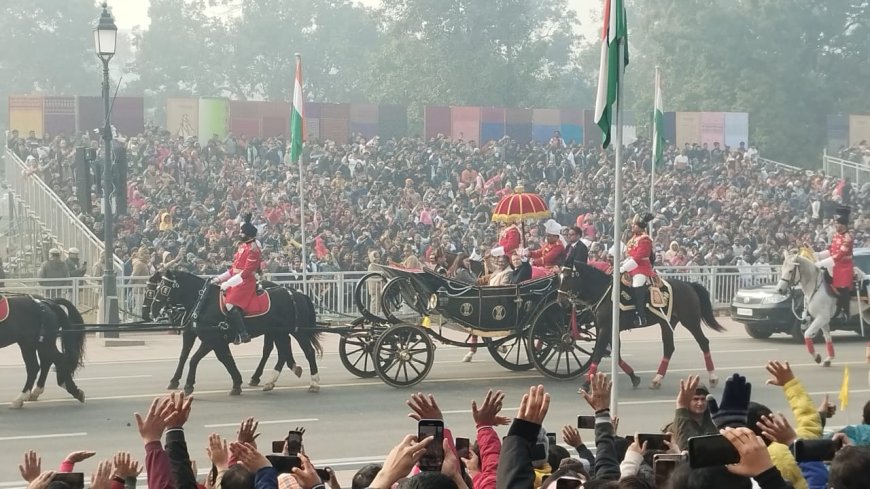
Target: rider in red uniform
{"x":240,"y":282}
{"x":553,"y":252}
{"x":638,"y":264}
{"x":838,"y":258}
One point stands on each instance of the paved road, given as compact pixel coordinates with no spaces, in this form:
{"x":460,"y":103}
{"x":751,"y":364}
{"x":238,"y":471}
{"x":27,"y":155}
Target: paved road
{"x":353,"y":421}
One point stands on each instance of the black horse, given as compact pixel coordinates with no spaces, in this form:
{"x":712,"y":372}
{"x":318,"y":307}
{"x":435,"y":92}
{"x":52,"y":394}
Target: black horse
{"x":197,"y":297}
{"x":590,"y":287}
{"x":176,"y":315}
{"x":35,"y":324}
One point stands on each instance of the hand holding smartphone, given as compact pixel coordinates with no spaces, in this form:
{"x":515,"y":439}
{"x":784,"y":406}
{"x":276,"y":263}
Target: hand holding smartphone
{"x":711,"y":450}
{"x":586,"y":422}
{"x":284,"y":464}
{"x":463,"y":446}
{"x":434,"y":456}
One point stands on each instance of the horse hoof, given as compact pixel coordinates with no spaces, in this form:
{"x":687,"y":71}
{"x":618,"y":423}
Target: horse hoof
{"x":297,"y":371}
{"x":80,"y":396}
{"x":268,"y":387}
{"x":635,"y":381}
{"x":314,"y":388}
{"x":17,"y":403}
{"x":236,"y":390}
{"x":467,"y":358}
{"x":714,"y":380}
{"x":827,"y":362}
{"x":35,"y":393}
{"x":656,"y":382}
{"x":188,"y":390}
{"x":173,"y":385}
{"x":254,"y":382}
{"x":817,"y":358}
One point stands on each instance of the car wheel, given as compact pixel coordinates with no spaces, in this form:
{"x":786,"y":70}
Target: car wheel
{"x":758,"y":331}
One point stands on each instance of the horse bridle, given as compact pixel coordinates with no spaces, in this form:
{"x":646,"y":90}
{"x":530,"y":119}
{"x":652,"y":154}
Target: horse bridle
{"x":164,"y":288}
{"x":568,"y":272}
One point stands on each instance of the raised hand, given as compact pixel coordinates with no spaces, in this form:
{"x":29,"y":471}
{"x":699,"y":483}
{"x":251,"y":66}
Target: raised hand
{"x":248,"y":456}
{"x":781,"y":373}
{"x":777,"y":428}
{"x":126,"y":466}
{"x":687,"y":391}
{"x":754,"y":458}
{"x":827,"y":409}
{"x":32,"y":466}
{"x":102,"y":477}
{"x":306,"y":476}
{"x":41,"y":481}
{"x":571,"y":436}
{"x":217,"y":451}
{"x":599,"y":397}
{"x":534,"y":405}
{"x":180,"y":410}
{"x":488,"y":413}
{"x":401,"y":460}
{"x":247,"y":432}
{"x":636,"y":446}
{"x":151,"y":427}
{"x":424,"y":407}
{"x":80,"y":456}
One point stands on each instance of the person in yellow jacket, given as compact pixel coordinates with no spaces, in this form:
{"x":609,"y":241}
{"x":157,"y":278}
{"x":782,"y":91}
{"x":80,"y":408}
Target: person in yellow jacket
{"x":809,"y":424}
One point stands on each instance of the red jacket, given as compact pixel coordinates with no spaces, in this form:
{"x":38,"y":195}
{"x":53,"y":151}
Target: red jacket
{"x":510,"y":240}
{"x":841,"y":252}
{"x":246,"y":262}
{"x":490,"y":449}
{"x":640,"y":248}
{"x":550,"y":255}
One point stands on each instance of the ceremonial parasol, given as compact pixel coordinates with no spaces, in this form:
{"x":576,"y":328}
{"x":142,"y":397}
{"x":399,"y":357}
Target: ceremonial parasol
{"x":520,"y":206}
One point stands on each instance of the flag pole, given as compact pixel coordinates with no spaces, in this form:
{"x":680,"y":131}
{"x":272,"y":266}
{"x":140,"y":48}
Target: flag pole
{"x":617,"y":239}
{"x":294,"y":135}
{"x":655,"y":142}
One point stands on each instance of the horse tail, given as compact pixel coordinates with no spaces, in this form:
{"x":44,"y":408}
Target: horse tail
{"x":72,"y":335}
{"x":308,"y":332}
{"x":707,"y":307}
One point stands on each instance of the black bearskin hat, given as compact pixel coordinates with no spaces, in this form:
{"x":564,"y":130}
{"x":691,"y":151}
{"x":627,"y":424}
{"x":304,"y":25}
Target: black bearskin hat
{"x":843,"y":215}
{"x":643,"y":220}
{"x":248,"y":229}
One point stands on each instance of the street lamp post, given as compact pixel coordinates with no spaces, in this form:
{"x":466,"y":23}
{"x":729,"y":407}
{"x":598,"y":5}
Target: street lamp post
{"x":105,"y":41}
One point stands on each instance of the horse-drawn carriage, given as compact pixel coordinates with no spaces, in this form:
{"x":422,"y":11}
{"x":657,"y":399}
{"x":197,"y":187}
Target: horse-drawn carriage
{"x":522,"y":326}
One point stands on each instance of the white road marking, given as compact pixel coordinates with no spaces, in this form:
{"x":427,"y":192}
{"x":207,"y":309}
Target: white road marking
{"x":35,"y":437}
{"x":277,"y":421}
{"x":120,"y":377}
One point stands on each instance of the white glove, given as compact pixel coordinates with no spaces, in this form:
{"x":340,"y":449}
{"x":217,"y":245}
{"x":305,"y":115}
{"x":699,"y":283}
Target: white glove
{"x":225,"y":286}
{"x":215,"y":280}
{"x":826,"y":263}
{"x":821,"y":255}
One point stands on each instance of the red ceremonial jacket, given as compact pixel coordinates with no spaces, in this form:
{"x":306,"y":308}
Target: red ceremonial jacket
{"x":841,"y":252}
{"x":246,"y":261}
{"x":510,"y":240}
{"x":639,"y":248}
{"x":550,"y":255}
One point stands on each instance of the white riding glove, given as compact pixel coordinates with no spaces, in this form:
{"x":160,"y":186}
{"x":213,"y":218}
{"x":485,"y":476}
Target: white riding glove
{"x":627,"y":265}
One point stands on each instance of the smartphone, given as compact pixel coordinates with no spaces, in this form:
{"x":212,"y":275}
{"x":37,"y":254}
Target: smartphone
{"x":566,"y":482}
{"x":586,"y":422}
{"x":75,"y":480}
{"x":434,"y":456}
{"x":284,"y":464}
{"x":551,"y":437}
{"x":278,"y":446}
{"x":463,"y":445}
{"x":711,"y":450}
{"x":539,"y":452}
{"x":654,"y":441}
{"x":294,"y":442}
{"x":664,"y":464}
{"x":323,"y":474}
{"x":815,"y":450}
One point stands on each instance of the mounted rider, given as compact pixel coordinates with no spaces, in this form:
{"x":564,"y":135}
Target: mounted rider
{"x":837,"y":260}
{"x":239,"y":283}
{"x":638,"y":264}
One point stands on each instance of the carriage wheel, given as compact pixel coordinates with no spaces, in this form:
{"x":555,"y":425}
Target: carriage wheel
{"x":355,"y":352}
{"x":364,"y":301}
{"x":556,"y":350}
{"x":395,"y":302}
{"x":511,"y":352}
{"x":404,"y":355}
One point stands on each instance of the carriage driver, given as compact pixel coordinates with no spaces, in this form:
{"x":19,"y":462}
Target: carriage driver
{"x":239,"y":282}
{"x":837,"y":259}
{"x":639,"y":265}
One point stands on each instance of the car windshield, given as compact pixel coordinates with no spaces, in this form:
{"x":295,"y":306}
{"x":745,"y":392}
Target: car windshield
{"x":863,"y":262}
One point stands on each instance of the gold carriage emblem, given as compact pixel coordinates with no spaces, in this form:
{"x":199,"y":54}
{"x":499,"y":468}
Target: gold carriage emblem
{"x":466,"y":309}
{"x":499,"y":313}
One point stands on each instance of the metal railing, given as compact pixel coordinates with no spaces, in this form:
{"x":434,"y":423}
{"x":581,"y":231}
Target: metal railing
{"x":855,"y":172}
{"x":332,"y":293}
{"x":766,"y":161}
{"x":43,"y":203}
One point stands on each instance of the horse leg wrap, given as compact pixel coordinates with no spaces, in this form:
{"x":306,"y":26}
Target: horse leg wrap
{"x":663,"y":367}
{"x":626,"y":367}
{"x":810,"y":347}
{"x":708,"y":361}
{"x":829,"y":347}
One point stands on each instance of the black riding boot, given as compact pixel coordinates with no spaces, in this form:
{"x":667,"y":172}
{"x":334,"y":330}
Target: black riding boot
{"x":843,"y":302}
{"x":639,"y":296}
{"x":237,"y":322}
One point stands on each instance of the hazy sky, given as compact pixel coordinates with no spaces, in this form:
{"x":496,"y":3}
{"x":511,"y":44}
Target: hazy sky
{"x":129,"y":13}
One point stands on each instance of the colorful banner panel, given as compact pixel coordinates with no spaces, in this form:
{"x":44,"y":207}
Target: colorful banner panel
{"x":859,"y":129}
{"x":336,"y":130}
{"x":182,"y":117}
{"x":465,"y":123}
{"x":436,"y":120}
{"x":59,"y":115}
{"x":518,"y":125}
{"x":571,"y":126}
{"x":312,"y":129}
{"x":546,"y":117}
{"x":25,"y":115}
{"x":688,"y":128}
{"x":541,"y":133}
{"x":712,"y":128}
{"x":244,"y":119}
{"x":213,"y":118}
{"x":736,"y":129}
{"x":89,"y":114}
{"x":274,"y":119}
{"x":592,"y":133}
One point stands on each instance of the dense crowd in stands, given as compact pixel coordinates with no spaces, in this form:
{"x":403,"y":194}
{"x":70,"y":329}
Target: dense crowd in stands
{"x":398,"y":198}
{"x":761,"y":448}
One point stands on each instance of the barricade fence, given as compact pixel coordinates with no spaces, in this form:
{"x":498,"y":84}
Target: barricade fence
{"x":857,"y":173}
{"x":332,"y":293}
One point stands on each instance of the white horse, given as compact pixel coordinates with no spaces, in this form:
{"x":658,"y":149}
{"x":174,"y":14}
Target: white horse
{"x":819,"y":303}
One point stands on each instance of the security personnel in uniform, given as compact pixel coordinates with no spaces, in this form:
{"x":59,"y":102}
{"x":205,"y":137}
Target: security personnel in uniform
{"x":638,"y":264}
{"x":838,"y":259}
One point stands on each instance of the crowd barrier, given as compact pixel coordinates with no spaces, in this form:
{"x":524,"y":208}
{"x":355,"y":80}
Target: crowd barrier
{"x":332,"y":293}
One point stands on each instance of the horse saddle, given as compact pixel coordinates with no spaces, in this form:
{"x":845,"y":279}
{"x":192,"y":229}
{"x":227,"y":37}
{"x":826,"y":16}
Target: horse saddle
{"x":4,"y":308}
{"x":659,"y":290}
{"x":256,"y":306}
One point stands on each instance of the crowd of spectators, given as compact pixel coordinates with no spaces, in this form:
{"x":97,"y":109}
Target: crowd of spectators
{"x":761,"y":449}
{"x":399,"y":198}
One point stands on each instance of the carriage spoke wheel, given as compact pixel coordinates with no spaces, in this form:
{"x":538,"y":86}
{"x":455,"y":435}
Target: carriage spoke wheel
{"x":511,"y":352}
{"x":404,"y":355}
{"x":355,"y":352}
{"x":554,"y":348}
{"x":398,"y":302}
{"x":367,"y":296}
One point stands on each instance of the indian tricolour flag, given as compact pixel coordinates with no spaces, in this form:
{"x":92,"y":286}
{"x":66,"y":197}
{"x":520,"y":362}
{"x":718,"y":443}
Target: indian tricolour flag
{"x":297,"y":114}
{"x":614,"y":38}
{"x":658,"y":125}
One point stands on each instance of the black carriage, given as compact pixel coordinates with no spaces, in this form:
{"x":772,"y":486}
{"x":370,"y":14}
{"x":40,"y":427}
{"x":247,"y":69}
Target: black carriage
{"x":522,"y":326}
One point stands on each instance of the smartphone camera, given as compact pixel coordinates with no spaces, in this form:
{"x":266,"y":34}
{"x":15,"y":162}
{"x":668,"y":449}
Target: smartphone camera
{"x":434,"y":456}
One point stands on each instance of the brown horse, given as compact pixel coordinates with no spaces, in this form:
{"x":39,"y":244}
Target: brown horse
{"x":589,"y":287}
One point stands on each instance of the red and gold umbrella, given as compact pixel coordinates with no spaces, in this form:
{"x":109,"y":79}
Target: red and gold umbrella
{"x":520,"y":206}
